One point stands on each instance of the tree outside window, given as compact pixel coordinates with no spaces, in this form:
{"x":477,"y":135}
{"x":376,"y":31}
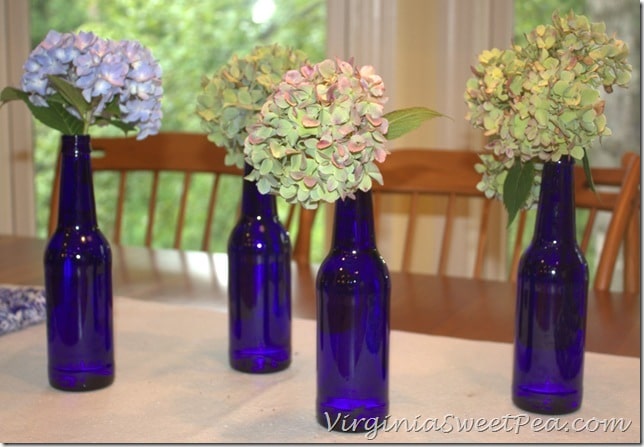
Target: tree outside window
{"x":190,"y":39}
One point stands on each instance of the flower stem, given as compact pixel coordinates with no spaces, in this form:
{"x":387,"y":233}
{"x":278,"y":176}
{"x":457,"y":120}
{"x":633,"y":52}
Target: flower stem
{"x":87,"y":119}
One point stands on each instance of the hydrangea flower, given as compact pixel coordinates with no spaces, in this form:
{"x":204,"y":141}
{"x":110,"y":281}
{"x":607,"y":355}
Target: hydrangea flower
{"x":231,"y":99}
{"x":73,"y":81}
{"x":320,"y":133}
{"x":541,"y":102}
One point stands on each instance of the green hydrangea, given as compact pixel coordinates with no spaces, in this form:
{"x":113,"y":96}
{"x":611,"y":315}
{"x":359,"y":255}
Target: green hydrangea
{"x":231,"y":99}
{"x":541,"y":102}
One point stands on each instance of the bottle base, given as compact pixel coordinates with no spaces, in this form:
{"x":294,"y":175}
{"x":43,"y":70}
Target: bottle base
{"x":80,"y":380}
{"x":254,"y":362}
{"x":351,"y":416}
{"x":543,"y":402}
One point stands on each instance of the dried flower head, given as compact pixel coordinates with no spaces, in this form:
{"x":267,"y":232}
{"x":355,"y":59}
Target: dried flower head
{"x":232,"y":98}
{"x":72,"y":81}
{"x":541,"y":102}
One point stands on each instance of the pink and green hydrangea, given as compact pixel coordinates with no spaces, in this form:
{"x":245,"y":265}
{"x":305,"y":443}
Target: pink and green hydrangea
{"x":320,"y":133}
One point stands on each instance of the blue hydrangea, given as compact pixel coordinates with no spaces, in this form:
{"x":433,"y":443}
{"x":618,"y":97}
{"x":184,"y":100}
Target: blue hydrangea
{"x":104,"y":71}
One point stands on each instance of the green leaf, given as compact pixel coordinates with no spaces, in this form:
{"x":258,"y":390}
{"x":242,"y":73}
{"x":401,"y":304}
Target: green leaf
{"x":72,"y":94}
{"x":113,"y":106}
{"x":516,"y":188}
{"x":405,"y":120}
{"x":54,"y":116}
{"x":589,"y":174}
{"x":9,"y":94}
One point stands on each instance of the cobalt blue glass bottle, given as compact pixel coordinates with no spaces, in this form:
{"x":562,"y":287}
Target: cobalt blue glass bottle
{"x":353,"y":289}
{"x":552,"y":292}
{"x":259,"y":286}
{"x":78,"y":281}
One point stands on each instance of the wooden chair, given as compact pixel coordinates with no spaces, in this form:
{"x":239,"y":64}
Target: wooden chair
{"x":186,"y":153}
{"x":451,"y":174}
{"x":618,"y":193}
{"x":436,"y":172}
{"x":418,"y":172}
{"x":168,"y":152}
{"x":302,"y":243}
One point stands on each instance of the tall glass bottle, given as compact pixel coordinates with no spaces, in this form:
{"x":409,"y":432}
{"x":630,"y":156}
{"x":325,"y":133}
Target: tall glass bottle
{"x":552,"y":291}
{"x":259,"y":286}
{"x":78,"y":281}
{"x":353,"y":291}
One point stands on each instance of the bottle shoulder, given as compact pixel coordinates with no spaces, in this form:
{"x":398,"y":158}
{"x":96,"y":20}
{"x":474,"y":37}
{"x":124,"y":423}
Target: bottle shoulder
{"x":347,"y":261}
{"x":551,"y":250}
{"x":258,"y":235}
{"x":347,"y":273}
{"x":74,"y":241}
{"x":553,"y":260}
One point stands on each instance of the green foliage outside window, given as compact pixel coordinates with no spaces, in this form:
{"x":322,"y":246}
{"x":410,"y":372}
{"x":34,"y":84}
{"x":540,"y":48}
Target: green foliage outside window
{"x":530,"y":13}
{"x":190,"y":39}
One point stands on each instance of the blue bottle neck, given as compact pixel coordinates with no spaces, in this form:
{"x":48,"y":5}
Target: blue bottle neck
{"x":76,"y":204}
{"x":254,"y":203}
{"x":556,"y":210}
{"x":353,"y":223}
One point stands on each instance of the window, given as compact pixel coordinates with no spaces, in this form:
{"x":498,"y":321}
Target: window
{"x":190,"y":39}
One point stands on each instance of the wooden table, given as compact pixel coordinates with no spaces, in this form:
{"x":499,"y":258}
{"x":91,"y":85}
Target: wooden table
{"x":454,"y":307}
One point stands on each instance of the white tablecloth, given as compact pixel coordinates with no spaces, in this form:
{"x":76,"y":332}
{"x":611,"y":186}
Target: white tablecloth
{"x":173,"y":384}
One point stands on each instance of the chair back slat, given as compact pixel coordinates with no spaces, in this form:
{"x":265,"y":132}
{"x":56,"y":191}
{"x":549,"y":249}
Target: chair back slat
{"x":152,"y":206}
{"x":55,"y":197}
{"x":410,"y":233}
{"x":617,"y":228}
{"x":588,"y":228}
{"x":517,"y":249}
{"x":182,"y":209}
{"x":302,"y":247}
{"x":632,"y":253}
{"x":120,"y":203}
{"x":377,"y":207}
{"x":210,"y":214}
{"x":447,"y":234}
{"x":289,"y":216}
{"x":482,"y":239}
